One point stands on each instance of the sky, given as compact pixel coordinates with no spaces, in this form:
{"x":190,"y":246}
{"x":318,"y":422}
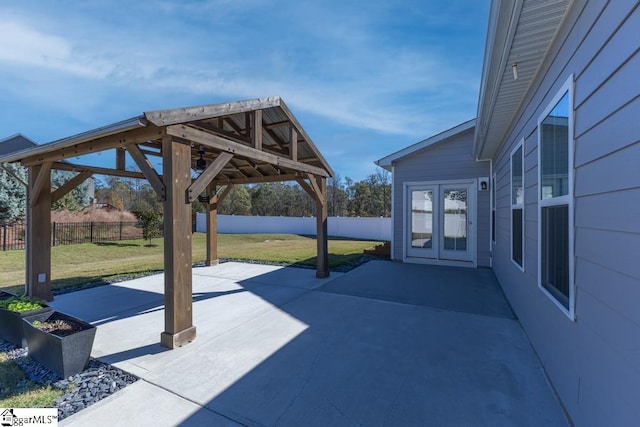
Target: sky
{"x":364,"y":78}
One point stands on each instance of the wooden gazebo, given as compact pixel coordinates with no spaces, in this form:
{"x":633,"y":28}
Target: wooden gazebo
{"x":233,"y":143}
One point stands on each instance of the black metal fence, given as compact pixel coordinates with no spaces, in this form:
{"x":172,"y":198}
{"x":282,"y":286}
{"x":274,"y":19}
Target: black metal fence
{"x":13,"y":236}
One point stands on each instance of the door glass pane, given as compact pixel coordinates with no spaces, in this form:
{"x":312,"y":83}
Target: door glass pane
{"x":455,"y":219}
{"x":422,"y":219}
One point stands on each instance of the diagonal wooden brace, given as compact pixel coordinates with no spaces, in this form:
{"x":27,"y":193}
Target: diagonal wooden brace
{"x":68,"y":186}
{"x":147,"y":170}
{"x":224,"y":193}
{"x":42,"y":183}
{"x":207,"y":176}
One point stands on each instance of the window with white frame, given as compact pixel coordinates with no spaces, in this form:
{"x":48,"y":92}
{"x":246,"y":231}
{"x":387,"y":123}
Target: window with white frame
{"x":517,"y":205}
{"x":555,"y":199}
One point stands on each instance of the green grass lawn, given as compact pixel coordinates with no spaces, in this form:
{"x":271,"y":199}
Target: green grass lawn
{"x":30,"y":394}
{"x":74,"y":265}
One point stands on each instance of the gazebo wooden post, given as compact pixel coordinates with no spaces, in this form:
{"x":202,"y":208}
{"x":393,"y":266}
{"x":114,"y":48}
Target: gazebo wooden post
{"x":178,"y":316}
{"x":321,"y":225}
{"x":212,"y":226}
{"x":38,"y":248}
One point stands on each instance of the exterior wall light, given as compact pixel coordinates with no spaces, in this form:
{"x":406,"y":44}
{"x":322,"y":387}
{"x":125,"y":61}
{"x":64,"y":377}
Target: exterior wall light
{"x":201,"y":163}
{"x":484,"y":183}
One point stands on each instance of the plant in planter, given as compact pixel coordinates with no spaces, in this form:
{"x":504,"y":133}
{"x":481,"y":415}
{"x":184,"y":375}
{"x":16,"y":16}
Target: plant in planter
{"x":60,"y":342}
{"x":12,"y":310}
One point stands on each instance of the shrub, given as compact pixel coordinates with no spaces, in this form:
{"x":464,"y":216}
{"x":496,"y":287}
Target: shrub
{"x":151,"y":224}
{"x":20,"y":305}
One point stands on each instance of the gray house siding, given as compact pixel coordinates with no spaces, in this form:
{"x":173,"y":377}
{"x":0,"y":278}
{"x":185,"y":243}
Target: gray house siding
{"x":447,"y":160}
{"x":592,"y":362}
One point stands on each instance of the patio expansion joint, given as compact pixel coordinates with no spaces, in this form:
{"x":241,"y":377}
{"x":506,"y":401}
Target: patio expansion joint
{"x":192,"y":401}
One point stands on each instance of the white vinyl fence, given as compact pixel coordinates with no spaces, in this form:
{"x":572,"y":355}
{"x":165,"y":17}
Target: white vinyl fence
{"x":357,"y":228}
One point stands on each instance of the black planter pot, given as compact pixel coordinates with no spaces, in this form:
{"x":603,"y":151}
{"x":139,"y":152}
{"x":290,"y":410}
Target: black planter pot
{"x":11,"y":322}
{"x":66,"y":356}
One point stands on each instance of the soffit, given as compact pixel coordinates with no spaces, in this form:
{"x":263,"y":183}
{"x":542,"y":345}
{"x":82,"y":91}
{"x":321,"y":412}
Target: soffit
{"x":528,"y":28}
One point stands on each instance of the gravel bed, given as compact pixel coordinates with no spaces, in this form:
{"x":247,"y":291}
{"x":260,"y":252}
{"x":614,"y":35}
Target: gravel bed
{"x":96,"y":382}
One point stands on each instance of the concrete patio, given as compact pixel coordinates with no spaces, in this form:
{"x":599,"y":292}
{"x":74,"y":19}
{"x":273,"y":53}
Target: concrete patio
{"x":385,"y":344}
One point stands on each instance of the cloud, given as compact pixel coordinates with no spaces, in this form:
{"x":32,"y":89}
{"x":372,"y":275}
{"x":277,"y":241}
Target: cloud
{"x":21,"y":45}
{"x":349,"y":67}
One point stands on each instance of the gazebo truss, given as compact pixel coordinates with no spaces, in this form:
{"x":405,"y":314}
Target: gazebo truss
{"x":240,"y":142}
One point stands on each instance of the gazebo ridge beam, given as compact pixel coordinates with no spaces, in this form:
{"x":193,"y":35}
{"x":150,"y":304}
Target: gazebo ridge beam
{"x":189,"y":114}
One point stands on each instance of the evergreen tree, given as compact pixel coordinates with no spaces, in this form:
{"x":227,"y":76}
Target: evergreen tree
{"x":13,"y":194}
{"x":237,"y":202}
{"x":74,"y":200}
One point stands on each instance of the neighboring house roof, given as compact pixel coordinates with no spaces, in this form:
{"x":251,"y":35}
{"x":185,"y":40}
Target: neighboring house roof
{"x":387,"y":162}
{"x":520,"y":32}
{"x":15,"y":143}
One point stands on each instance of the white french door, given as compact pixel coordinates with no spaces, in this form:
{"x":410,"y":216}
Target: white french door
{"x":440,"y":221}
